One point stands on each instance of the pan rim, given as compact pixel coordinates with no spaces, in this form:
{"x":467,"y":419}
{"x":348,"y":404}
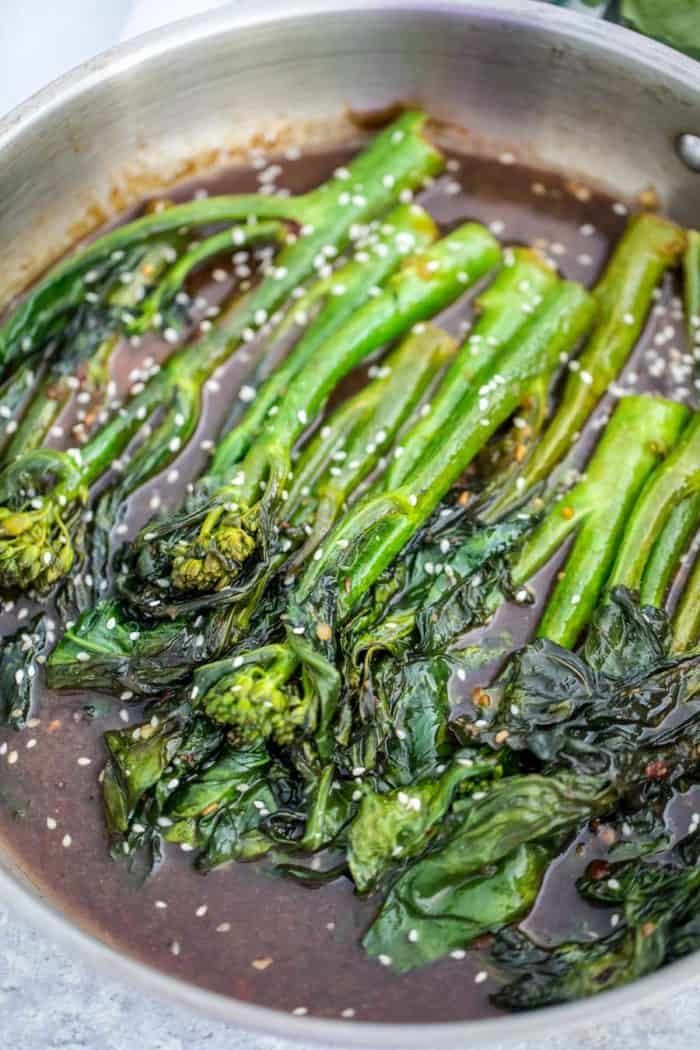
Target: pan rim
{"x":39,"y":912}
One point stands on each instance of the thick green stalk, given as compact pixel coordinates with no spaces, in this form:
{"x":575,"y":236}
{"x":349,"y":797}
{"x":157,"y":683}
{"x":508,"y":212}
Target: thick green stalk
{"x":366,"y":541}
{"x":397,"y":158}
{"x":93,"y":343}
{"x":677,"y":478}
{"x":426,"y":283}
{"x":504,"y":309}
{"x":596,"y":512}
{"x":162,"y":296}
{"x":383,"y":406}
{"x":649,"y":245}
{"x":328,"y":304}
{"x":686,"y":620}
{"x":44,"y":408}
{"x":691,"y":284}
{"x":14,"y":394}
{"x":663,"y":561}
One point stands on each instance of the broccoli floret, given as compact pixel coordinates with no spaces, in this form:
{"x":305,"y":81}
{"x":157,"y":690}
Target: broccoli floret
{"x":259,"y":701}
{"x":213,"y":559}
{"x":36,"y":549}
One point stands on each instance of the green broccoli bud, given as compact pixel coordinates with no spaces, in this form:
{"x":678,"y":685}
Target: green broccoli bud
{"x":36,"y":549}
{"x":214,"y":558}
{"x":258,"y":701}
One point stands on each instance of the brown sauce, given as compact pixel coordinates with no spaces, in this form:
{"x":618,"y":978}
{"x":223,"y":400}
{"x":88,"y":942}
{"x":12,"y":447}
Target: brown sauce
{"x":237,"y":931}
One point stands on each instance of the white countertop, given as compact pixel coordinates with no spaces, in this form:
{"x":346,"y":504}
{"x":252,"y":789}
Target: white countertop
{"x":49,"y":1001}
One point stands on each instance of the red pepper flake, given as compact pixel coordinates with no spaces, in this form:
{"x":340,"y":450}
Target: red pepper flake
{"x":657,"y":770}
{"x":598,"y":870}
{"x":480,"y":697}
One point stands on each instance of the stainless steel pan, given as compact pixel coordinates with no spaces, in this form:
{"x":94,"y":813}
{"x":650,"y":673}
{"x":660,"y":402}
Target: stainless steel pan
{"x":560,"y":90}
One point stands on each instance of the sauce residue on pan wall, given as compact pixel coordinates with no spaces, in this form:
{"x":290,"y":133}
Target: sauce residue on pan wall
{"x":237,"y":931}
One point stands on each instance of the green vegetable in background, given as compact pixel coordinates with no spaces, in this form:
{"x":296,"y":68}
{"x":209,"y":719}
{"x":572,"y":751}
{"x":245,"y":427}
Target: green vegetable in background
{"x":675,"y":22}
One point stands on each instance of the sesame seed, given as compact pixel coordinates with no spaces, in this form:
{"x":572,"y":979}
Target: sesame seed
{"x":66,"y":841}
{"x":480,"y":977}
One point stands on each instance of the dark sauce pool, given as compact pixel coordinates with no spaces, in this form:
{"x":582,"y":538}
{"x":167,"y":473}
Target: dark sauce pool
{"x":238,"y":931}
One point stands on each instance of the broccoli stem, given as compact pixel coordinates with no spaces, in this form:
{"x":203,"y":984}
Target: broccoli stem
{"x":686,"y":620}
{"x":691,"y":275}
{"x":667,"y":550}
{"x":204,"y":553}
{"x":377,"y":412}
{"x":596,"y":512}
{"x":365,"y":542}
{"x":503,"y":309}
{"x":328,"y":304}
{"x":163,"y":295}
{"x":94,"y":343}
{"x":14,"y":394}
{"x":677,"y":478}
{"x":426,"y":283}
{"x":397,"y":158}
{"x":648,"y":247}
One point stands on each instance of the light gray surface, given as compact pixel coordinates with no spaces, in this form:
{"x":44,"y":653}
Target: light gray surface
{"x":51,"y":1002}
